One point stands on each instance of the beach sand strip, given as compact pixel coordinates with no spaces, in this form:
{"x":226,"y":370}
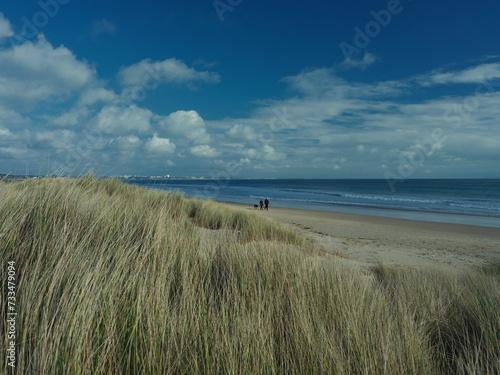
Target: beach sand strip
{"x":367,"y":240}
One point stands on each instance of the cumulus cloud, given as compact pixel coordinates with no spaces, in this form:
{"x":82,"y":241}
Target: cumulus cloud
{"x":158,"y":145}
{"x":118,"y":120}
{"x":96,"y":95}
{"x":11,"y":152}
{"x":186,"y":124}
{"x":54,"y":140}
{"x":127,"y":142}
{"x":250,"y":153}
{"x":269,"y":153}
{"x":36,"y":71}
{"x":5,"y":133}
{"x":150,"y":73}
{"x":5,"y":28}
{"x":10,"y":117}
{"x":13,"y":143}
{"x":240,"y":131}
{"x":68,"y":119}
{"x":204,"y":151}
{"x":355,"y":128}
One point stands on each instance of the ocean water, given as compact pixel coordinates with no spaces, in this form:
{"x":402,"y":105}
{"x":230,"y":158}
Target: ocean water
{"x":473,"y":202}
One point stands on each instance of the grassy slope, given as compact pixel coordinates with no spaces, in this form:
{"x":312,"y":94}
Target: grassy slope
{"x":117,"y":279}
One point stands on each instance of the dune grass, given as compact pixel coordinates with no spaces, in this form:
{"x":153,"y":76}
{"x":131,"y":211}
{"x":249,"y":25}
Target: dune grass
{"x":114,"y":278}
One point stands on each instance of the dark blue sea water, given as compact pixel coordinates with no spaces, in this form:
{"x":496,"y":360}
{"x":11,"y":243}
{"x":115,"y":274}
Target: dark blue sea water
{"x":473,"y":202}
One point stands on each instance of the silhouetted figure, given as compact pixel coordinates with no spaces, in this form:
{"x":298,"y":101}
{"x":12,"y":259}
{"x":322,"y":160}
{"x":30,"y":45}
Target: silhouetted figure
{"x":261,"y":204}
{"x":266,"y":202}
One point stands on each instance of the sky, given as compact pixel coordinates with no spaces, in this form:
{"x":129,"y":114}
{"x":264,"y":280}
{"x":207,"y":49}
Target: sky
{"x":251,"y":89}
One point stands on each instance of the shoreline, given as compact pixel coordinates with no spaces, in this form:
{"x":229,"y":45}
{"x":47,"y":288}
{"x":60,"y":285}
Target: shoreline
{"x":444,"y":202}
{"x":429,"y":225}
{"x":365,"y":240}
{"x":486,"y":221}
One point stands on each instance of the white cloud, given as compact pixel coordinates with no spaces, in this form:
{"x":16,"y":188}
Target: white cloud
{"x":127,"y":142}
{"x":10,"y":140}
{"x":10,"y":117}
{"x":367,"y":60}
{"x":158,"y":145}
{"x":123,"y":120}
{"x":36,"y":71}
{"x":5,"y":133}
{"x":269,"y":153}
{"x":204,"y":151}
{"x":96,"y":95}
{"x":149,"y":74}
{"x":5,"y":28}
{"x":125,"y":148}
{"x":328,"y":125}
{"x":354,"y":126}
{"x":240,"y":131}
{"x":68,"y":119}
{"x":477,"y":74}
{"x":316,"y":82}
{"x":56,"y":140}
{"x":187,"y":124}
{"x":250,"y":153}
{"x":12,"y":152}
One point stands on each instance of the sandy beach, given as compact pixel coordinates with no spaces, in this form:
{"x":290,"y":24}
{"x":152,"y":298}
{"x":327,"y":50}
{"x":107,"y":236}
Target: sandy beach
{"x":366,"y":240}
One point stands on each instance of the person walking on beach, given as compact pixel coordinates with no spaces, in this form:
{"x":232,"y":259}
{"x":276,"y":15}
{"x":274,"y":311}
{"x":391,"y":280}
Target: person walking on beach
{"x":261,"y":204}
{"x":266,"y":202}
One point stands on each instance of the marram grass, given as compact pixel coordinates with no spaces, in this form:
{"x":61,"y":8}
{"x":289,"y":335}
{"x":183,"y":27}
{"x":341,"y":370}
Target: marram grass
{"x":116,"y":279}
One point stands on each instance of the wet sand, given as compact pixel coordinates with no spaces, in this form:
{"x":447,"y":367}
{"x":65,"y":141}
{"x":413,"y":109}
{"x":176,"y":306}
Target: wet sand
{"x":366,"y":240}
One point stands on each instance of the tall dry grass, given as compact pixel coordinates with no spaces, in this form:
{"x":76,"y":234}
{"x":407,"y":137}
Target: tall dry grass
{"x":113,"y":278}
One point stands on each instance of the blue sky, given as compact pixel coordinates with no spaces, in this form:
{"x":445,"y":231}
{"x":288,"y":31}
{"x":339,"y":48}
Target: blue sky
{"x":234,"y":88}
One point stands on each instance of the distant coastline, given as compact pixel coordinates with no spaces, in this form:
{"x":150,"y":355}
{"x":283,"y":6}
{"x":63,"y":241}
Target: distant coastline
{"x":247,"y":190}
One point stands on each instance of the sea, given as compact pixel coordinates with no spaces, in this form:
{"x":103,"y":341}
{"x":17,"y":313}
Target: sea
{"x":471,"y":202}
